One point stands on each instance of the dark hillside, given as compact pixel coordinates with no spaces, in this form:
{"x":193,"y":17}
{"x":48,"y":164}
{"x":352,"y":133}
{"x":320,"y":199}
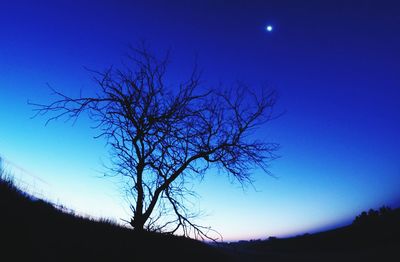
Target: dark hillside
{"x":374,"y":236}
{"x":34,"y":230}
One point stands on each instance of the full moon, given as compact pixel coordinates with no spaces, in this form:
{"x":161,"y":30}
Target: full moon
{"x":268,"y":28}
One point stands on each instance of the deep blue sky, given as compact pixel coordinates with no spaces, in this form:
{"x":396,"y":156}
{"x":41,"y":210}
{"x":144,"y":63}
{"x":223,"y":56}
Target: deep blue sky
{"x":334,"y":63}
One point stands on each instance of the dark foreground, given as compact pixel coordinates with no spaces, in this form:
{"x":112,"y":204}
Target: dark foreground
{"x":374,"y":240}
{"x":34,"y":230}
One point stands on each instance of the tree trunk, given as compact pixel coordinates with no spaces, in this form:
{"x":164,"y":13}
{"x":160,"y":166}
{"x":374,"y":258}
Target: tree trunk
{"x":137,"y":223}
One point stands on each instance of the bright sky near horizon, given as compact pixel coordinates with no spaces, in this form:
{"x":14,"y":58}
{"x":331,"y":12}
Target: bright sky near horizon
{"x":334,"y":64}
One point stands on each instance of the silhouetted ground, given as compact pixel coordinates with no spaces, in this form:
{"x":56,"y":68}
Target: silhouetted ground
{"x":34,"y":230}
{"x":374,"y":237}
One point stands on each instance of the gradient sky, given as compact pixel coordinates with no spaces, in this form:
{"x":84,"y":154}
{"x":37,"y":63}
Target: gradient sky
{"x":334,"y":63}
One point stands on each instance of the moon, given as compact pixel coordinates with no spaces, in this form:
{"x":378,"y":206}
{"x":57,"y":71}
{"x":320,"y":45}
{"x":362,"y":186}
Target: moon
{"x":269,"y":28}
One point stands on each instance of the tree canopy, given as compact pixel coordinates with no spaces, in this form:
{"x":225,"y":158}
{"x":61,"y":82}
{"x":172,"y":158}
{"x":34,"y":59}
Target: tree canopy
{"x":160,"y":136}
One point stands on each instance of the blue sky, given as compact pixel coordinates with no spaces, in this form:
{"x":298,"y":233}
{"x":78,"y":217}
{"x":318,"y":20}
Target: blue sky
{"x":334,"y":64}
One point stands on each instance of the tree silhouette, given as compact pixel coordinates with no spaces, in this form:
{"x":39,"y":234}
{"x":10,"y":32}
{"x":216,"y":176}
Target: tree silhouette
{"x":160,"y":137}
{"x":373,"y":216}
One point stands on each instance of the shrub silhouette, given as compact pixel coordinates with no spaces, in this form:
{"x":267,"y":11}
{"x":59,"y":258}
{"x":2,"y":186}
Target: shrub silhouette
{"x":373,"y":216}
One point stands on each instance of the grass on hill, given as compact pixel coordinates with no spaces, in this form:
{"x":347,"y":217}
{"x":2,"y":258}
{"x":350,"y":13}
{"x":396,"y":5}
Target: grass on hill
{"x":34,"y":230}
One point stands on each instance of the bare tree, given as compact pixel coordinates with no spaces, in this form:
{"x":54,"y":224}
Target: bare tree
{"x":160,"y":137}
